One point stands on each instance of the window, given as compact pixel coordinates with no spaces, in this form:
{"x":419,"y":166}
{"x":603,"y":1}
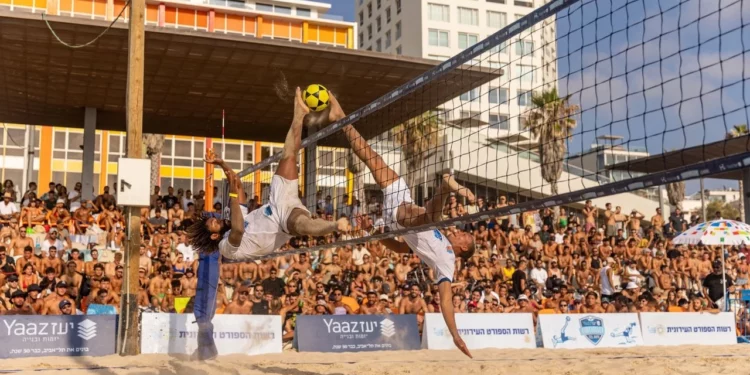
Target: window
{"x":379,"y":3}
{"x":496,"y":20}
{"x":438,"y":12}
{"x":468,"y":114}
{"x":387,"y":38}
{"x":525,"y":73}
{"x":264,"y":7}
{"x":388,"y":15}
{"x":304,"y":12}
{"x":468,"y":16}
{"x":377,"y":23}
{"x":438,"y":38}
{"x":398,"y":50}
{"x":361,"y":40}
{"x":369,"y":10}
{"x":361,"y":18}
{"x":471,"y":95}
{"x":377,"y":45}
{"x":496,"y":1}
{"x":369,"y":32}
{"x":499,"y":122}
{"x":467,"y":40}
{"x":524,"y":97}
{"x":398,"y":6}
{"x":524,"y":47}
{"x":498,"y":95}
{"x":438,"y":57}
{"x":502,"y":48}
{"x":527,"y":4}
{"x":282,"y":10}
{"x":398,"y":30}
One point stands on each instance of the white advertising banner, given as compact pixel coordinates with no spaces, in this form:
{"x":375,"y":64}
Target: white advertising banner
{"x":479,"y":331}
{"x":233,"y":334}
{"x":586,"y":331}
{"x":688,"y":328}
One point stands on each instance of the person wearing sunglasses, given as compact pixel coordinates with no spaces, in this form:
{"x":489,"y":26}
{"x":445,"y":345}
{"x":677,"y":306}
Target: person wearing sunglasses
{"x":240,"y":302}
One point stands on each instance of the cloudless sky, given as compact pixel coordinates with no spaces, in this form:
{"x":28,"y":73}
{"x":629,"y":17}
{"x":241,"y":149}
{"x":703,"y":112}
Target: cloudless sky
{"x":343,"y":8}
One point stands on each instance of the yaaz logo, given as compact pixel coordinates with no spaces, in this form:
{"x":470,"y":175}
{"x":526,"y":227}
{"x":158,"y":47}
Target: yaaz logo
{"x":350,"y":327}
{"x":87,"y":329}
{"x":36,"y":329}
{"x":387,"y":328}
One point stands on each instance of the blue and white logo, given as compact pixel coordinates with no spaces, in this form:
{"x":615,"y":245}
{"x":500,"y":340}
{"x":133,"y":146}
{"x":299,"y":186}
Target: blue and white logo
{"x":592,"y":328}
{"x":268,"y":211}
{"x":563,"y":337}
{"x":438,"y":235}
{"x":626,"y":335}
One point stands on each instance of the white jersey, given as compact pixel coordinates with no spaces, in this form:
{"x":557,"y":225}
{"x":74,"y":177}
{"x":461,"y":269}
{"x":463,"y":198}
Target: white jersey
{"x":266,"y":227}
{"x":430,"y":246}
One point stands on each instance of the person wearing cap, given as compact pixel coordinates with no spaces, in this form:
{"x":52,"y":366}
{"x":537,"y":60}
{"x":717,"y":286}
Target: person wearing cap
{"x":241,"y":303}
{"x":716,"y":286}
{"x":52,"y":240}
{"x":189,"y":282}
{"x":371,"y":307}
{"x":66,"y":308}
{"x":19,"y":306}
{"x":59,"y":212}
{"x":8,"y":209}
{"x":321,"y":308}
{"x":11,"y":286}
{"x":53,"y":302}
{"x":524,"y":306}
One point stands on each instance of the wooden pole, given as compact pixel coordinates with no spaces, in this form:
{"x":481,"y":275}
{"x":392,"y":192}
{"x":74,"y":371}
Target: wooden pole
{"x":129,"y":341}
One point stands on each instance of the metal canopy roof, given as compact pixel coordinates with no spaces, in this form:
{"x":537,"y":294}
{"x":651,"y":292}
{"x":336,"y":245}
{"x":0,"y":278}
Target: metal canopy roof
{"x":190,"y":76}
{"x":688,"y":156}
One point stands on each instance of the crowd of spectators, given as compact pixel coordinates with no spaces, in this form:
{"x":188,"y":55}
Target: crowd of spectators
{"x":587,"y":261}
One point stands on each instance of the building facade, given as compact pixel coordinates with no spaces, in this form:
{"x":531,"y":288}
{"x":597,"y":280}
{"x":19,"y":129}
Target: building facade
{"x":439,"y":29}
{"x":58,"y":154}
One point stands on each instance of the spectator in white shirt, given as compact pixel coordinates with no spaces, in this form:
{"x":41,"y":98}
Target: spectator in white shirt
{"x":358,"y":254}
{"x":539,"y":274}
{"x":74,"y":197}
{"x":8,"y":209}
{"x":187,"y":199}
{"x":186,"y":249}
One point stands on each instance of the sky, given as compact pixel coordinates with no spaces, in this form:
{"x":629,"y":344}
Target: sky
{"x":343,"y":8}
{"x":664,"y":74}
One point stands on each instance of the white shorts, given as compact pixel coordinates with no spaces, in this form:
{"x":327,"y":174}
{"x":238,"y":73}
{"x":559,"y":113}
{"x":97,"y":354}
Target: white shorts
{"x":284,"y":199}
{"x":393,"y":195}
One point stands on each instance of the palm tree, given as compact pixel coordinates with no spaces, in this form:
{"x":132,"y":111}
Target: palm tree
{"x":736,"y":132}
{"x":152,"y":145}
{"x":551,"y":121}
{"x":417,"y":138}
{"x":676,"y":194}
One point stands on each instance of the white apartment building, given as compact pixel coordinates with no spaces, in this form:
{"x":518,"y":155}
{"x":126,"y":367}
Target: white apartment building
{"x":439,"y":29}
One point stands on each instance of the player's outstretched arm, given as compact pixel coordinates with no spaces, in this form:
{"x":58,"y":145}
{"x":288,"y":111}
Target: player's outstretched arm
{"x":236,"y":195}
{"x":446,"y":307}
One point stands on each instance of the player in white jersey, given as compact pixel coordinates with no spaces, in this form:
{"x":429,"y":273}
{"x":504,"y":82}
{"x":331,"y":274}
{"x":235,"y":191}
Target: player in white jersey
{"x":270,"y":226}
{"x":435,"y":249}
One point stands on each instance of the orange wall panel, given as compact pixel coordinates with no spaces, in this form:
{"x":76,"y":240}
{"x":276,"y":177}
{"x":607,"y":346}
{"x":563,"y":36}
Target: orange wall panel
{"x":186,"y":17}
{"x":266,"y":28}
{"x":24,"y":3}
{"x":152,"y":13}
{"x":118,"y":5}
{"x":281,"y":29}
{"x":83,"y":6}
{"x":219,"y":21}
{"x":234,"y":23}
{"x":326,"y":34}
{"x":170,"y":16}
{"x":67,"y":5}
{"x":296,"y":31}
{"x":202,"y":19}
{"x":250,"y":25}
{"x":341,"y":36}
{"x":100,"y":8}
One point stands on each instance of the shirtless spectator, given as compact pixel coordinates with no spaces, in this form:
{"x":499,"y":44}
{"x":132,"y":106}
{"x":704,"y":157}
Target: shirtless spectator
{"x":53,"y":302}
{"x":72,"y":279}
{"x":19,"y":243}
{"x":414,"y":304}
{"x":372,"y":306}
{"x":89,"y":266}
{"x":175,"y":291}
{"x":241,"y":303}
{"x":657,"y":223}
{"x":189,"y":283}
{"x":33,"y":214}
{"x":159,"y":286}
{"x":590,"y":305}
{"x":83,"y":218}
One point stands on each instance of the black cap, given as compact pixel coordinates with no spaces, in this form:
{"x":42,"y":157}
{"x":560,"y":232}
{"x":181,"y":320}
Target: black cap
{"x":64,"y":303}
{"x":189,"y":269}
{"x":61,"y":284}
{"x":33,"y":288}
{"x":12,"y":278}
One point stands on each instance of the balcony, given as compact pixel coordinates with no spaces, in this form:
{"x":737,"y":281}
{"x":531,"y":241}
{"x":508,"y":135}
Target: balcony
{"x":526,"y":4}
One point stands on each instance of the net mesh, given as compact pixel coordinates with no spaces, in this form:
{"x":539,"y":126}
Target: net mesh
{"x":601,"y":99}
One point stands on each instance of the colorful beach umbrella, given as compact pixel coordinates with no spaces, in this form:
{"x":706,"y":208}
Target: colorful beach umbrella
{"x":716,"y":232}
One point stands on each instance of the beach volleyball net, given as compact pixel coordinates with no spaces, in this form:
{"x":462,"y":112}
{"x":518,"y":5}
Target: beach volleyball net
{"x":575,"y":100}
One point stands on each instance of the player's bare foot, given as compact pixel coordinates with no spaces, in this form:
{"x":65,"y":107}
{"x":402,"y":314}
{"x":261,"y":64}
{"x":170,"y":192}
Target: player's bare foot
{"x":454,"y":186}
{"x":342,"y":225}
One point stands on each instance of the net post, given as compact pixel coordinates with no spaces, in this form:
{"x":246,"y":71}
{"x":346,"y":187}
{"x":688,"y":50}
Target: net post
{"x":311,"y":171}
{"x":744,"y":194}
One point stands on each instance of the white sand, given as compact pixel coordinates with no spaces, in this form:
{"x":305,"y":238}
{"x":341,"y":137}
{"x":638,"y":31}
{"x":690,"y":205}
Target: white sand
{"x":640,"y":361}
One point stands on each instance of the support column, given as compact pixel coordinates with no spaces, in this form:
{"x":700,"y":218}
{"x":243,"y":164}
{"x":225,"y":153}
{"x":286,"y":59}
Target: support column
{"x":664,"y":212}
{"x":311,"y":182}
{"x":30,"y":176}
{"x":745,"y":194}
{"x":89,"y":143}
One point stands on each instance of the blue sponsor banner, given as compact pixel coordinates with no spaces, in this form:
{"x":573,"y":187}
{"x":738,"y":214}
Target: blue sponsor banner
{"x":63,"y":335}
{"x":356,"y":333}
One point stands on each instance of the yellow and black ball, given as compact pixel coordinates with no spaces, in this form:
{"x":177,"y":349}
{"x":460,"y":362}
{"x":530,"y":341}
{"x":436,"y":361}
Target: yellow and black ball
{"x":316,"y":97}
